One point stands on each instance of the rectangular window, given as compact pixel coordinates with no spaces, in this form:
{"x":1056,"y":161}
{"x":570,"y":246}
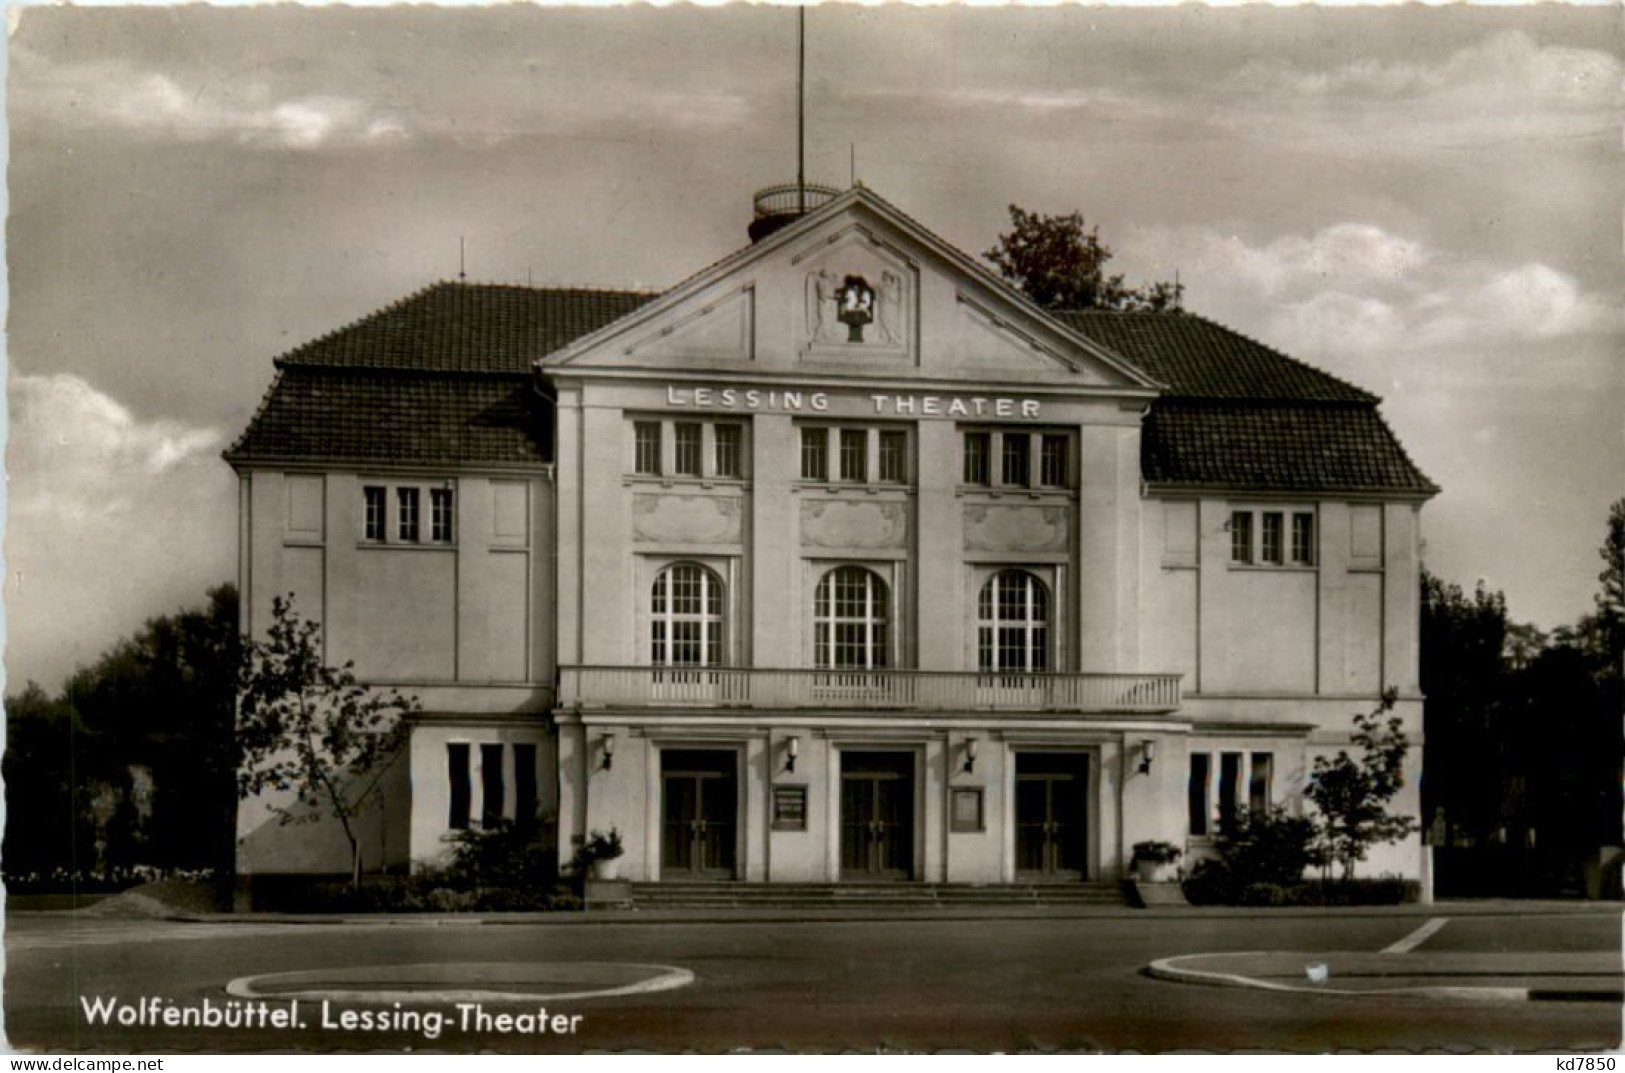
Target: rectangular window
{"x":457,"y":773}
{"x":1272,"y":537}
{"x":1241,"y":537}
{"x":646,"y":448}
{"x":1196,"y":794}
{"x":407,"y":504}
{"x":854,"y":448}
{"x":894,"y":457}
{"x":814,"y":454}
{"x":490,"y":784}
{"x":686,"y":460}
{"x":1052,"y":466}
{"x":1017,"y":459}
{"x":1303,"y":538}
{"x":978,"y":448}
{"x":373,"y":528}
{"x":524,"y":785}
{"x":1229,"y":785}
{"x":1258,"y":782}
{"x":440,"y":514}
{"x":730,"y":451}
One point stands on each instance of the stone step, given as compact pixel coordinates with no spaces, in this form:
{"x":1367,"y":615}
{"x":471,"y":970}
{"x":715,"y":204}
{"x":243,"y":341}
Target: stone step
{"x":924,"y":896}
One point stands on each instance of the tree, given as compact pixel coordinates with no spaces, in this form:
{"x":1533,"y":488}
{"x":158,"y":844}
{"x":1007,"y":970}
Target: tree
{"x":150,"y":719}
{"x":1611,"y":600}
{"x":1060,"y":265}
{"x":1353,"y":794}
{"x":305,"y":727}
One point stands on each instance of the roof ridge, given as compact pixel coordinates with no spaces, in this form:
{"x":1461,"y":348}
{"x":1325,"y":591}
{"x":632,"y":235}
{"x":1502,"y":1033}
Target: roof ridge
{"x":561,"y":288}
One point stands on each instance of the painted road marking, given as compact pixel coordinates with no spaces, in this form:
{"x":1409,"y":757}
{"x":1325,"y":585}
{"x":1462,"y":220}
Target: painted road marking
{"x":1417,"y":937}
{"x":443,"y":983}
{"x":1172,"y":969}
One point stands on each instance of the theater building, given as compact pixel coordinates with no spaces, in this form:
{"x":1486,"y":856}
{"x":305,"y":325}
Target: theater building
{"x":838,"y":561}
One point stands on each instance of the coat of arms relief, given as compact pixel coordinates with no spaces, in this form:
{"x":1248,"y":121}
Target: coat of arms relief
{"x":846,"y":310}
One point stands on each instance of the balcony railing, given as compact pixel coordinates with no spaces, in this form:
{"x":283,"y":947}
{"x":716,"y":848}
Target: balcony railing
{"x":725,"y":687}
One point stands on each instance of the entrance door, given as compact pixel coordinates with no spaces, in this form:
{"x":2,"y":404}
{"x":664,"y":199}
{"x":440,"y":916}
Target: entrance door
{"x":1051,"y":816}
{"x":877,"y":816}
{"x":699,"y":814}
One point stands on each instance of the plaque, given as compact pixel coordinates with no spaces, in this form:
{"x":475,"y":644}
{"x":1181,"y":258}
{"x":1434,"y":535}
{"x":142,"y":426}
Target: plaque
{"x":789,"y":808}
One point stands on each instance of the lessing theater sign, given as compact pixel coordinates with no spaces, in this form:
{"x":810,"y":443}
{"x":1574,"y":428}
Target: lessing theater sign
{"x":884,"y":405}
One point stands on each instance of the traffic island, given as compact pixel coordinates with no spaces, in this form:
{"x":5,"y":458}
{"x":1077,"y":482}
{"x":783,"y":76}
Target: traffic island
{"x":1500,"y":977}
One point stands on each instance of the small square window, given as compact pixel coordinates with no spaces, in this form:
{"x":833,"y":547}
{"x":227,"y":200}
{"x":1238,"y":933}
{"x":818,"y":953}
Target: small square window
{"x":894,"y":456}
{"x":646,"y":441}
{"x":730,"y":451}
{"x":406,"y":502}
{"x":854,"y":462}
{"x":977,"y":451}
{"x":814,"y":454}
{"x":373,"y":523}
{"x":1241,"y":536}
{"x":686,"y":461}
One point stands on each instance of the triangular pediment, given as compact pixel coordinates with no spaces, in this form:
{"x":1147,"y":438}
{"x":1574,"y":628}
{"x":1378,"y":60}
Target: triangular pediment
{"x":855,"y":289}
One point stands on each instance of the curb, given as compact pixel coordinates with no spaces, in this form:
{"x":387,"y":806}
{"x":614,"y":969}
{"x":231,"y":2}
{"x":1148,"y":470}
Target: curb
{"x":1166,"y":969}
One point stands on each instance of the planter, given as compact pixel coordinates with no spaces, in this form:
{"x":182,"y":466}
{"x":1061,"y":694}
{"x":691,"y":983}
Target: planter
{"x":1161,"y":872}
{"x":605,"y":868}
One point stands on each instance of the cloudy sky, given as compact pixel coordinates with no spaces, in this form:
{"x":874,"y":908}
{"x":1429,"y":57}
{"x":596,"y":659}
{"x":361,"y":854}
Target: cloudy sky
{"x":1423,"y":201}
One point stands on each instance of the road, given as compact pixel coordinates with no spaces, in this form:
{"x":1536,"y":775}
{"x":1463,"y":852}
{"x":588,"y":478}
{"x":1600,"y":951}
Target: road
{"x":917,"y":984}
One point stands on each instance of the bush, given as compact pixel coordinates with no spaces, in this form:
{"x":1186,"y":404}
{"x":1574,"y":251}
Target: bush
{"x":1268,"y":846}
{"x":504,"y":855}
{"x":1386,"y":890}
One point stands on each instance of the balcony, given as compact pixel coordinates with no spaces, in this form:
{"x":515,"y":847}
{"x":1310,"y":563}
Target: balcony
{"x":960,"y":691}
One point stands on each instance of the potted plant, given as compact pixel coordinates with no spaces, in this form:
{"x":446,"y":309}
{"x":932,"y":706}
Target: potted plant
{"x":1153,"y":861}
{"x":602,"y":851}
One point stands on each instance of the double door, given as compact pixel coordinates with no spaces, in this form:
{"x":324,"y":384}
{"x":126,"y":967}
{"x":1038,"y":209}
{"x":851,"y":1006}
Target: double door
{"x":699,"y":835}
{"x":877,"y":816}
{"x":1051,"y":816}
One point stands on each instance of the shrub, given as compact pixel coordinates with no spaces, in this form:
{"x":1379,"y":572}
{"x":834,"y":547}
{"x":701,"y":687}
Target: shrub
{"x":503,"y":855}
{"x":1267,"y":846}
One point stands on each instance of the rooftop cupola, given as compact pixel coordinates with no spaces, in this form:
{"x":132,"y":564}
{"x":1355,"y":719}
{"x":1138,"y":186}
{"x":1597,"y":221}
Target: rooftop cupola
{"x":779,"y":205}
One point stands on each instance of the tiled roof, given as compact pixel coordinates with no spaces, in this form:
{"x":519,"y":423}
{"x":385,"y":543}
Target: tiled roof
{"x":1273,"y":446}
{"x":341,"y":415}
{"x":1198,"y":358}
{"x":445,"y":376}
{"x":469,"y":328}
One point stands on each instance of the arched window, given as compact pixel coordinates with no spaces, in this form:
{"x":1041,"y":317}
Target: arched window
{"x":851,"y":612}
{"x":685,"y":626}
{"x":1012,"y":623}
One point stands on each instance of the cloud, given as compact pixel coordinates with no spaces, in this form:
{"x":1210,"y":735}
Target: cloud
{"x":1505,"y":67}
{"x":1357,"y":291}
{"x":112,"y":519}
{"x":118,"y":95}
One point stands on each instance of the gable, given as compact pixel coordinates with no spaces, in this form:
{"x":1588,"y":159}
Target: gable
{"x":853,"y":290}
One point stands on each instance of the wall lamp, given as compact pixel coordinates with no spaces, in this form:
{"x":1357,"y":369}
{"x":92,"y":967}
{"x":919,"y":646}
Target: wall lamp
{"x":792,"y":749}
{"x":1148,"y":753}
{"x":970,"y":755}
{"x":608,"y":742}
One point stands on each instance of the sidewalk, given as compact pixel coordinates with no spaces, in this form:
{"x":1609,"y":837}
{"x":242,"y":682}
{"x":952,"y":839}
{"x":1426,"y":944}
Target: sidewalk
{"x":877,"y":914}
{"x":1505,"y":977}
